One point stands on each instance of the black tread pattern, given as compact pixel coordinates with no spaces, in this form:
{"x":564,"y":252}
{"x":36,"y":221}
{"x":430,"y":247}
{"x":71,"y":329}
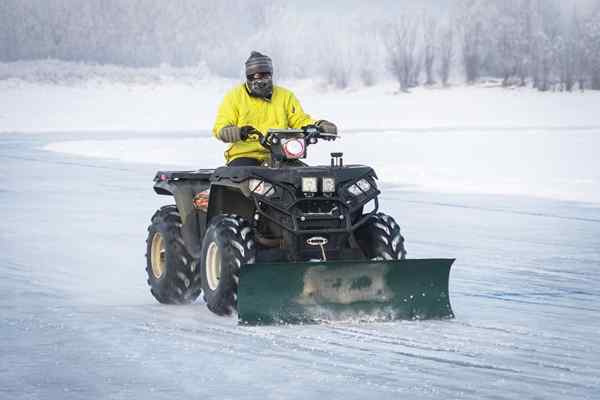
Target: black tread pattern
{"x":381,"y":239}
{"x":235,"y":238}
{"x":181,"y":283}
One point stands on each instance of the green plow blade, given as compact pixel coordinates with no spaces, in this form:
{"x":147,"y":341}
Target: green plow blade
{"x":309,"y":292}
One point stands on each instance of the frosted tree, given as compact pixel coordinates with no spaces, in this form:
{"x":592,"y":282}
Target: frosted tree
{"x":511,"y":38}
{"x":525,"y":40}
{"x":418,"y":67}
{"x":446,"y":52}
{"x":401,"y":40}
{"x":24,"y":36}
{"x":337,"y":61}
{"x":430,"y":26}
{"x":547,"y":42}
{"x":369,"y":49}
{"x":580,"y":62}
{"x":371,"y":52}
{"x":591,"y":34}
{"x":470,"y":25}
{"x":572,"y":60}
{"x":508,"y":39}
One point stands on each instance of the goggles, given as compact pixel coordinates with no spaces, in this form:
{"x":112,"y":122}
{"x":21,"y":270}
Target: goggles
{"x":259,"y":75}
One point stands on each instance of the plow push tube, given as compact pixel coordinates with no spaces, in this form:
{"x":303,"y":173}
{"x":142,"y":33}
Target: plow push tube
{"x":310,"y":292}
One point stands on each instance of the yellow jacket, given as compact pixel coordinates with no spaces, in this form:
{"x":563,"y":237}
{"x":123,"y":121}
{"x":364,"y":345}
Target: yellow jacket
{"x":240,"y":109}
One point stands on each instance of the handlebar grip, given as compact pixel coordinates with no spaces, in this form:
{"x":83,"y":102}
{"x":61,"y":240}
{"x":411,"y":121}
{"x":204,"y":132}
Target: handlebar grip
{"x":247,"y":131}
{"x":328,"y":136}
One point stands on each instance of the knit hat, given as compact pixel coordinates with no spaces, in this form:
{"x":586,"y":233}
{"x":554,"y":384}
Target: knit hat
{"x":258,"y":63}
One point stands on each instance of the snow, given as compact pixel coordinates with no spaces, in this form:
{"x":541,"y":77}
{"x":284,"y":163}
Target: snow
{"x":480,"y":174}
{"x":78,"y":320}
{"x":183,"y":104}
{"x":559,"y":164}
{"x":479,"y":139}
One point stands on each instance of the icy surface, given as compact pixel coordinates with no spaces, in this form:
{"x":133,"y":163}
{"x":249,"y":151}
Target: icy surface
{"x":476,"y":139}
{"x":78,"y":321}
{"x":551,"y":163}
{"x":506,"y":181}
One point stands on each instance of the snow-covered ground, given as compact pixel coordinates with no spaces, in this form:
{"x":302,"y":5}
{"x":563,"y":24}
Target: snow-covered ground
{"x":506,"y":181}
{"x":183,"y":104}
{"x":460,"y":140}
{"x":78,"y":322}
{"x":560,"y":164}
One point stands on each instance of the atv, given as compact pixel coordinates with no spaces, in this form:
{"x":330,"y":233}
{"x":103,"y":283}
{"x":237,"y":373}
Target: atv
{"x":287,"y":242}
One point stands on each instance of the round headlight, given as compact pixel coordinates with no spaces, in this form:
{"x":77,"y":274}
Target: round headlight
{"x":294,"y":148}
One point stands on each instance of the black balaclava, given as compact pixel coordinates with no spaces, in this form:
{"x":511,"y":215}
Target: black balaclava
{"x":259,"y":63}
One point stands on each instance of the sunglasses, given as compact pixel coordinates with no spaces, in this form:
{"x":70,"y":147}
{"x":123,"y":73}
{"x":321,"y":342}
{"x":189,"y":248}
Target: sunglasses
{"x":259,"y":75}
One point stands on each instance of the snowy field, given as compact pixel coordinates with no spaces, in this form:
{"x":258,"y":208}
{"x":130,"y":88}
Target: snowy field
{"x":506,"y":181}
{"x":183,"y":104}
{"x":480,"y":139}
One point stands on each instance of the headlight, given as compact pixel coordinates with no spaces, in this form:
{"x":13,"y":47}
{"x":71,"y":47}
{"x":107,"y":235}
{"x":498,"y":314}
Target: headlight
{"x":261,"y":187}
{"x":293,"y":148}
{"x":309,"y":184}
{"x":328,"y":185}
{"x":360,"y":187}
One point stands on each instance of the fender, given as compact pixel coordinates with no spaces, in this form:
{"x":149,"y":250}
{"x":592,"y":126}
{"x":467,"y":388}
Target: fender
{"x":193,"y":220}
{"x":229,"y":199}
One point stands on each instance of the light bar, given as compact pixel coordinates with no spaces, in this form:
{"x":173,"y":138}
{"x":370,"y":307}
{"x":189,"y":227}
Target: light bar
{"x":309,"y":184}
{"x":328,"y":185}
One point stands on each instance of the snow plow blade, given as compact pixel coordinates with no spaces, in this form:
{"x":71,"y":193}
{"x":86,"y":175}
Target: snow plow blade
{"x":312,"y":292}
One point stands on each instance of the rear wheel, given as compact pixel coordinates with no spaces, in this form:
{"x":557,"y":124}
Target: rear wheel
{"x":228,"y":244}
{"x":380,"y":238}
{"x":173,"y":275}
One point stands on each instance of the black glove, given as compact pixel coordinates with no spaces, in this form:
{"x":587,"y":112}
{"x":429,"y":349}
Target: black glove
{"x":311,"y":130}
{"x":245,"y":131}
{"x":327,"y":127}
{"x":230,"y":134}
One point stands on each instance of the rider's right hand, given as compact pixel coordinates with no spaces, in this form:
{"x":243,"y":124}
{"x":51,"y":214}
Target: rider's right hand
{"x":230,"y":134}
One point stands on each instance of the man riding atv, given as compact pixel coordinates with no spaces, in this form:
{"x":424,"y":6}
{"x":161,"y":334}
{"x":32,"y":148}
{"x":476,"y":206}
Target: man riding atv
{"x":258,"y":105}
{"x":275,"y":240}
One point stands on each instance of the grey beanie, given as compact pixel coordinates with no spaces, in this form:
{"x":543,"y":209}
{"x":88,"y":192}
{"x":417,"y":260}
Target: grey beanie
{"x":258,"y":63}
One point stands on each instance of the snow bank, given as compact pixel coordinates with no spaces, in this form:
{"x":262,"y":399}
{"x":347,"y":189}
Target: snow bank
{"x":88,"y":100}
{"x":464,"y":139}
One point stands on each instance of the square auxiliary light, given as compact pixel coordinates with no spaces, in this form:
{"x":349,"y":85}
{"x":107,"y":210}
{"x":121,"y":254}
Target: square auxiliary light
{"x":328,"y":185}
{"x":309,"y":184}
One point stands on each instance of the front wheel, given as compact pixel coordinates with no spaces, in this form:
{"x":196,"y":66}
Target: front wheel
{"x":380,"y":238}
{"x":172,"y":273}
{"x":228,"y":244}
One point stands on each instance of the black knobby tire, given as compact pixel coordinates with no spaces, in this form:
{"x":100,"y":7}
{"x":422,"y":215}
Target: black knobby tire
{"x":380,"y":238}
{"x":175,"y":278}
{"x":228,"y":245}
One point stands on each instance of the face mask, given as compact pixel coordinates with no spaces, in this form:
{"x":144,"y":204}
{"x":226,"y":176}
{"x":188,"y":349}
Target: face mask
{"x":262,"y":87}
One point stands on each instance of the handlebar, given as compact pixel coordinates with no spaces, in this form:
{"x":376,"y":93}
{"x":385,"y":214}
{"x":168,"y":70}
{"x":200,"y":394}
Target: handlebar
{"x":310,"y":133}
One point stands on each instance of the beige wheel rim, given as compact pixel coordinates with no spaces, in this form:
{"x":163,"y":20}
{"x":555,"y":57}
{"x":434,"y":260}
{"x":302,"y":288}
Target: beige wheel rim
{"x":213,"y":266}
{"x":158,"y":256}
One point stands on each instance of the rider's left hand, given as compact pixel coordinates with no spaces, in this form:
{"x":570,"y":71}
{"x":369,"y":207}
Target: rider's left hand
{"x":327,"y":127}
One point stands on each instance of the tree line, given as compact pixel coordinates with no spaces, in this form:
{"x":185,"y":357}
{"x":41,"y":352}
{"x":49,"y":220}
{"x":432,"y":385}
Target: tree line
{"x":517,"y":41}
{"x":541,"y":43}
